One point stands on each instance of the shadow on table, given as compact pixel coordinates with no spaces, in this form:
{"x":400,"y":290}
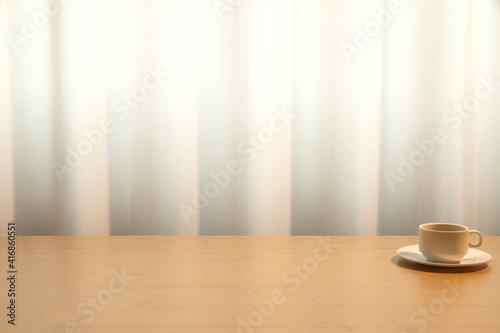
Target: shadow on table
{"x":398,"y":261}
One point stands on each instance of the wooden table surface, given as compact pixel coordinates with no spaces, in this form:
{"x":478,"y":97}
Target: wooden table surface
{"x":243,"y":284}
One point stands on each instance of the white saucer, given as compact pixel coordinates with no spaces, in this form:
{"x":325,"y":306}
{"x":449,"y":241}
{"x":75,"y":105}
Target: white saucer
{"x":472,"y":258}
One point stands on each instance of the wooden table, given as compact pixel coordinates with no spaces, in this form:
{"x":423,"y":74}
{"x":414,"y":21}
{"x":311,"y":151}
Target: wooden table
{"x":207,"y":284}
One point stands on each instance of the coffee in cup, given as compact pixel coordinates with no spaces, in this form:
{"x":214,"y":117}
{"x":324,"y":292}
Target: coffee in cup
{"x":445,"y":242}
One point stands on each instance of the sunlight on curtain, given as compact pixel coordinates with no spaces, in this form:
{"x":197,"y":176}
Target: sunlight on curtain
{"x":249,"y":117}
{"x":6,"y":172}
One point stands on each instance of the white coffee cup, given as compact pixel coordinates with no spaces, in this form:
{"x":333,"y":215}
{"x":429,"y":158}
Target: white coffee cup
{"x":445,"y":242}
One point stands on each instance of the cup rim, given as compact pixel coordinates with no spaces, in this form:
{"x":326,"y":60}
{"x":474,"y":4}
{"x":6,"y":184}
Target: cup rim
{"x":465,"y":228}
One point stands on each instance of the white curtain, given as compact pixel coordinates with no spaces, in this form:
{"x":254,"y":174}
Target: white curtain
{"x":249,"y":117}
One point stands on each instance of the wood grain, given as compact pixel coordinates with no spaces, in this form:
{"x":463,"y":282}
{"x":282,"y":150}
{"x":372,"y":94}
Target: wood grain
{"x":216,"y":284}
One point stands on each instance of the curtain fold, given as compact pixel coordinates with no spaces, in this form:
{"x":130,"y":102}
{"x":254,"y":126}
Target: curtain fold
{"x":249,"y":117}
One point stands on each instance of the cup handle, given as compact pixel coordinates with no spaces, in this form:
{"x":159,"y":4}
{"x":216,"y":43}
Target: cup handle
{"x":479,"y":238}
